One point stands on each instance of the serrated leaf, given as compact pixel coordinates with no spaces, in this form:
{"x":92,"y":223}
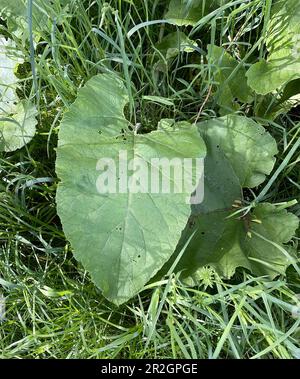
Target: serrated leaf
{"x":234,"y":144}
{"x":228,"y":90}
{"x":242,"y":242}
{"x":246,"y":144}
{"x":18,"y":127}
{"x":283,"y":44}
{"x":122,"y":239}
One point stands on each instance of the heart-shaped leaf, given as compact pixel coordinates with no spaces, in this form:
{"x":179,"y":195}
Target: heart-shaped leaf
{"x":122,"y":237}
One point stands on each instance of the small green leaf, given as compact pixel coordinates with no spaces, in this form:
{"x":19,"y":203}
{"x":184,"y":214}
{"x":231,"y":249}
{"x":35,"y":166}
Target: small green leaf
{"x":189,"y":12}
{"x":15,"y":12}
{"x":10,"y":57}
{"x":18,"y":128}
{"x":270,"y":106}
{"x":228,"y":90}
{"x":17,"y":118}
{"x":174,"y":43}
{"x":291,"y":91}
{"x":283,"y":44}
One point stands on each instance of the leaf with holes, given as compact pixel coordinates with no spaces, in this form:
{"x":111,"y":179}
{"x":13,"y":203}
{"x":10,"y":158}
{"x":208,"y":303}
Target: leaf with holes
{"x":122,"y":237}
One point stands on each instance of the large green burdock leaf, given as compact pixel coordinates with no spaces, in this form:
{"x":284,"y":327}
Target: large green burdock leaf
{"x":122,"y":239}
{"x":240,"y":153}
{"x":229,"y":90}
{"x":283,"y":44}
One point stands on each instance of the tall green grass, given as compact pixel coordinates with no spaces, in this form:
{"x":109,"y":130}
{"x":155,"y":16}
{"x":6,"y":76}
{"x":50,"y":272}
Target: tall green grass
{"x":52,"y":309}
